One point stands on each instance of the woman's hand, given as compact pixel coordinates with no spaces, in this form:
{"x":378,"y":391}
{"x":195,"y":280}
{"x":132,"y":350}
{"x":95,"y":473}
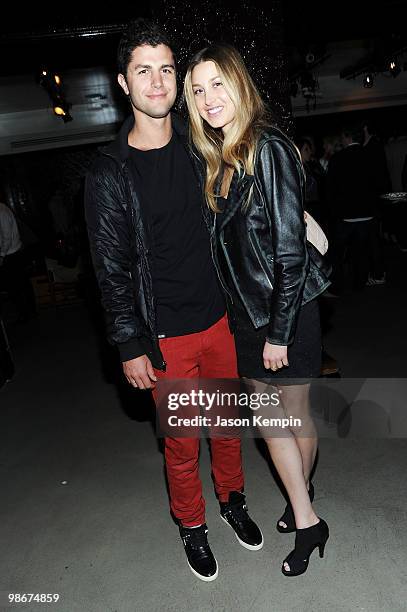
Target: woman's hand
{"x":274,"y":356}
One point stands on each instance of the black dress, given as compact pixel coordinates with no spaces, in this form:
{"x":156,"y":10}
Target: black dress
{"x":304,"y":354}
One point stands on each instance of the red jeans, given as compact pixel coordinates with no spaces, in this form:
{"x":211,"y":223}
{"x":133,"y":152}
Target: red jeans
{"x":207,"y":354}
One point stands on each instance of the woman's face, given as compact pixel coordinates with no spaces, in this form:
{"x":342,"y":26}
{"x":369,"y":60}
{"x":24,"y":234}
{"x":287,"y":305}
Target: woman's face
{"x":212,"y":100}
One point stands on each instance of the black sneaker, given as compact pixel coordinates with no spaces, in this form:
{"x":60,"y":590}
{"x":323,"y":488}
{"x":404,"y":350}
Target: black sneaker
{"x":234,"y":513}
{"x":200,"y":558}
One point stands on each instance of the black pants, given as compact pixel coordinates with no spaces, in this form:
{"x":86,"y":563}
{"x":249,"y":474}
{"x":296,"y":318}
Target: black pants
{"x":352,"y":245}
{"x":395,"y":221}
{"x":15,"y":279}
{"x":6,"y":362}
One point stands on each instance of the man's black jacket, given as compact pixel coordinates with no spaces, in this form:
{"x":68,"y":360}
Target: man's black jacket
{"x":351,"y":184}
{"x":120,"y":244}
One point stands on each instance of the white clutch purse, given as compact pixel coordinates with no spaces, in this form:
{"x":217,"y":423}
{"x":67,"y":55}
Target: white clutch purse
{"x":315,"y":234}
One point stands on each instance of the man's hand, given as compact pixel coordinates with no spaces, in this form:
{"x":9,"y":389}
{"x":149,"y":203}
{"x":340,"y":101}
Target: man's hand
{"x":274,"y":356}
{"x":140,"y":372}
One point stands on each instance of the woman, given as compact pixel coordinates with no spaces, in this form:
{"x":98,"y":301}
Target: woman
{"x":253,"y":182}
{"x":314,"y":181}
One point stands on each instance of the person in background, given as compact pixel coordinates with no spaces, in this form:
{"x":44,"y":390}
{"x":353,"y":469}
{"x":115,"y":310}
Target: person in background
{"x":313,"y":180}
{"x":401,"y":232}
{"x":376,"y":161}
{"x":351,"y":193}
{"x":316,"y":204}
{"x":376,"y":158}
{"x":7,"y":367}
{"x":328,"y":149}
{"x":14,"y":276}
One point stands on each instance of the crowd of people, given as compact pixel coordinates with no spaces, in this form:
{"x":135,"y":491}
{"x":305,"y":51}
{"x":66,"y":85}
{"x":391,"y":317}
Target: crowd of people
{"x":346,"y":175}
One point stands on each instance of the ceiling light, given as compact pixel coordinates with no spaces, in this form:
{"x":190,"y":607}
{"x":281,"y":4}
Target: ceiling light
{"x":394,"y":68}
{"x":368,"y":81}
{"x":52,"y":83}
{"x":62,"y":110}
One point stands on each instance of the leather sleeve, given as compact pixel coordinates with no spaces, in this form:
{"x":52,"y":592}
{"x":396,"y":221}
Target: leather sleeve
{"x":280,"y":176}
{"x":110,"y":245}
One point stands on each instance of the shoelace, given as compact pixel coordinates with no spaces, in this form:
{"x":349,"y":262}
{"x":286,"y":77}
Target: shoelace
{"x":198,"y":539}
{"x":238,"y":512}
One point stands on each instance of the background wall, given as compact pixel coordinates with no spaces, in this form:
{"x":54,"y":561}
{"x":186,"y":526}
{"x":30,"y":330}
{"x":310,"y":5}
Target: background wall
{"x":43,"y":160}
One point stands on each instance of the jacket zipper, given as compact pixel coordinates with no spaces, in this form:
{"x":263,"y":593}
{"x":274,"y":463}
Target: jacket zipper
{"x":192,"y":152}
{"x":214,"y":263}
{"x":256,"y":248}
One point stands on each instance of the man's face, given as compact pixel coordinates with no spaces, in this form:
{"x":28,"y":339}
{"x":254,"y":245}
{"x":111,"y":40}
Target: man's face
{"x":346,"y":139}
{"x":306,"y":153}
{"x":150,"y":80}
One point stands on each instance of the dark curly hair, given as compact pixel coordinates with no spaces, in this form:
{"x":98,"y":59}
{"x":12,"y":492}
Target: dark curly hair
{"x":140,"y":32}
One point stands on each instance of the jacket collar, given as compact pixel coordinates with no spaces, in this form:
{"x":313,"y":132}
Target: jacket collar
{"x":119,"y":148}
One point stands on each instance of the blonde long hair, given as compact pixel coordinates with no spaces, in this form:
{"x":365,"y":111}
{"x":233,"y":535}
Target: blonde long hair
{"x":237,"y":148}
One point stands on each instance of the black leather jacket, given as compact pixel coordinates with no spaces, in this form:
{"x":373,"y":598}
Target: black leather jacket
{"x":273,"y":267}
{"x":121,"y":249}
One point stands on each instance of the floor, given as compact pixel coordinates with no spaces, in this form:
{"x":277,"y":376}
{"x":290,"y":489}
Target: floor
{"x":84,"y":509}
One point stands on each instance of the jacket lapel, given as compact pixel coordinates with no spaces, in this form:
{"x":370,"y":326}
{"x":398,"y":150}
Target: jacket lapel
{"x":199,"y":171}
{"x":238,"y":193}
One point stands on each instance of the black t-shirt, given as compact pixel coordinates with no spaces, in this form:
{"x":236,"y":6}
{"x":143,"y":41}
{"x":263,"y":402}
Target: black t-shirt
{"x":186,"y":289}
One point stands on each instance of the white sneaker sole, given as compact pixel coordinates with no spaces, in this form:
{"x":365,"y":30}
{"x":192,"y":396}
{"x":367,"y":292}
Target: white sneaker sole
{"x":204,"y":578}
{"x":244,"y":544}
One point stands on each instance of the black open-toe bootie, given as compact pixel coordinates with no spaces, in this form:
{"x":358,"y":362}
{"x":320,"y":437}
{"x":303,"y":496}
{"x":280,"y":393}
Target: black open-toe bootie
{"x":306,"y":540}
{"x":288,"y":516}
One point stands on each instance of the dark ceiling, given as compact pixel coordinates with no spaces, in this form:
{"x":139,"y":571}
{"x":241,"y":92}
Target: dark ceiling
{"x":70,"y":36}
{"x":338,"y":20}
{"x":320,"y":20}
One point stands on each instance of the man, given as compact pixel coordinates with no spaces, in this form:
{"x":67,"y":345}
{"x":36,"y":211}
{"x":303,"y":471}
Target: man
{"x":10,"y":243}
{"x":149,"y":238}
{"x":351,"y":195}
{"x":328,"y":149}
{"x":377,"y":164}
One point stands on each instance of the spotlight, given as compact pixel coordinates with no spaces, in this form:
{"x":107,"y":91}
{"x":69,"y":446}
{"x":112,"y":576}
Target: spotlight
{"x":310,"y":58}
{"x":368,"y":81}
{"x":52,"y":83}
{"x":394,"y":68}
{"x":62,"y":110}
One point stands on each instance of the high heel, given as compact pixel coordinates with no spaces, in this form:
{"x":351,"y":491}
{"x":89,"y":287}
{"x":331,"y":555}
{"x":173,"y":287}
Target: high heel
{"x":306,"y":540}
{"x":288,"y":516}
